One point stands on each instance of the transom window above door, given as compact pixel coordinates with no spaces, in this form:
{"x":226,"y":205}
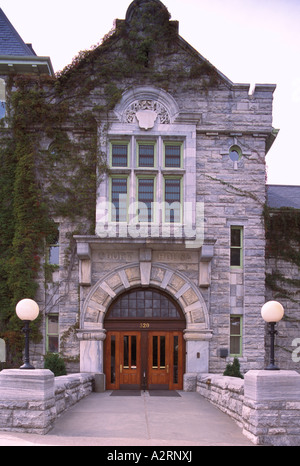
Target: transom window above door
{"x":139,"y":304}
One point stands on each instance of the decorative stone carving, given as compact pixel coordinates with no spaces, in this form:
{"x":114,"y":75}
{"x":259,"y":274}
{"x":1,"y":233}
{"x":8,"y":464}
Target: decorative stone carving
{"x":146,"y":118}
{"x":146,"y":112}
{"x":151,"y":274}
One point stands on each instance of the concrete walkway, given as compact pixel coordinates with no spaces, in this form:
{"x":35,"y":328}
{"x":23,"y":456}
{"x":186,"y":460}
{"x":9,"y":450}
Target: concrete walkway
{"x":104,"y":420}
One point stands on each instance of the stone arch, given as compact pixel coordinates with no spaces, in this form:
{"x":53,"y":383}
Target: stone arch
{"x":156,"y":275}
{"x":147,"y":98}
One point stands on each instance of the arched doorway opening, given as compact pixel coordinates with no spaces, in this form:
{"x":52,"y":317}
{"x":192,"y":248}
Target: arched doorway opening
{"x":144,"y":345}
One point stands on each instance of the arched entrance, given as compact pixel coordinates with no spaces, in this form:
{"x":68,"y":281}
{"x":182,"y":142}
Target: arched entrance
{"x":145,"y":275}
{"x":144,"y":346}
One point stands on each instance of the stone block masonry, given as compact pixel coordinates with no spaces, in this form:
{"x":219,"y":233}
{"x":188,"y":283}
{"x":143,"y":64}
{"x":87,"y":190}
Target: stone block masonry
{"x":266,"y":404}
{"x":31,"y":400}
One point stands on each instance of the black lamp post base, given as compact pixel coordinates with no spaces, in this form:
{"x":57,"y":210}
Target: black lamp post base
{"x":27,"y":366}
{"x":272,"y":367}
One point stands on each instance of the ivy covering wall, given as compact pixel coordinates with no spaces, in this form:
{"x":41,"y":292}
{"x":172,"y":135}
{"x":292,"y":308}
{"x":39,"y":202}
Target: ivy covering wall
{"x":283,"y":277}
{"x":51,"y":164}
{"x":283,"y":244}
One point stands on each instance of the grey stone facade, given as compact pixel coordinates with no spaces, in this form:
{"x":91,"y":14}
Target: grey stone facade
{"x":194,"y":271}
{"x":224,"y":133}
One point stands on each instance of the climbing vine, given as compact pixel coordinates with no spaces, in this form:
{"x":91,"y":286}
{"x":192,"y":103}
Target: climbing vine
{"x":283,"y":243}
{"x":51,"y":162}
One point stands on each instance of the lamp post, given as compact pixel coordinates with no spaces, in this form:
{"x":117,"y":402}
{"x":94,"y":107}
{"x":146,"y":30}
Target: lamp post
{"x":272,"y":312}
{"x":27,"y":310}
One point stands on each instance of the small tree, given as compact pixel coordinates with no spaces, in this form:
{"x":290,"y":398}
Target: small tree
{"x":55,"y":363}
{"x":233,"y":370}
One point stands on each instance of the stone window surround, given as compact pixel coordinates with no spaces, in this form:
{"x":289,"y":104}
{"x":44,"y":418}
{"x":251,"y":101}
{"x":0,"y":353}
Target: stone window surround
{"x":181,"y":128}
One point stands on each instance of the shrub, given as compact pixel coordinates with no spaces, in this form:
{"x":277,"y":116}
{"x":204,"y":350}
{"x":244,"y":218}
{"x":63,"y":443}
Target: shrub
{"x":55,"y":363}
{"x":233,"y":370}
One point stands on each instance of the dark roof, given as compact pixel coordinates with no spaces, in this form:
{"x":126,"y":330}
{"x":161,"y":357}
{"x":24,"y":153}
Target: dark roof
{"x":283,"y":196}
{"x":11,"y":44}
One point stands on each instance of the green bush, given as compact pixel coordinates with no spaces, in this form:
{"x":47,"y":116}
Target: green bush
{"x":55,"y":363}
{"x":233,"y":370}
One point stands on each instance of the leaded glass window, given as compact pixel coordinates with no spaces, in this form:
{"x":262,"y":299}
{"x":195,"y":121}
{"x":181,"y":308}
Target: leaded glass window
{"x":173,"y":199}
{"x":119,"y":155}
{"x":119,"y":199}
{"x":146,"y":155}
{"x":148,"y":304}
{"x":173,"y":155}
{"x":146,"y":196}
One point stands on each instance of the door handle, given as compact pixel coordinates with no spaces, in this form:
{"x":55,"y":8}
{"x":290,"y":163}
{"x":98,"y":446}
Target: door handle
{"x":121,"y":368}
{"x":167,"y":368}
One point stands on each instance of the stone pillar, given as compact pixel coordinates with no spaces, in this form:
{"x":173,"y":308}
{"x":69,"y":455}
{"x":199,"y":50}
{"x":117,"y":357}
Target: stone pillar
{"x":271,"y":411}
{"x":27,"y":400}
{"x":197,"y":354}
{"x":91,"y":350}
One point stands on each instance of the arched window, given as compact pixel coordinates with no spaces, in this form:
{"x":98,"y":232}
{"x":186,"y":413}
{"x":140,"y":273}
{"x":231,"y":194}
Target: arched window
{"x":235,"y":153}
{"x":143,"y":304}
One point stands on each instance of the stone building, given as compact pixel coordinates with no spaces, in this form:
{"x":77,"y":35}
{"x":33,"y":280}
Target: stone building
{"x":161,"y":272}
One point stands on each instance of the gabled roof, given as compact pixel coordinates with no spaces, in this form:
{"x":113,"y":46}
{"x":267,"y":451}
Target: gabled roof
{"x":10,"y":41}
{"x":16,"y":56}
{"x":283,"y":196}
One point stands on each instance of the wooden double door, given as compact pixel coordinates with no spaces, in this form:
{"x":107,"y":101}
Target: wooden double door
{"x":146,"y":359}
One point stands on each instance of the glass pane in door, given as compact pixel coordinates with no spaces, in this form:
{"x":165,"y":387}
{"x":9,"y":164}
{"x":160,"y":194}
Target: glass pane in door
{"x":175,"y":359}
{"x":126,"y":351}
{"x":133,"y":352}
{"x":113,"y":359}
{"x":155,"y":352}
{"x":162,"y":348}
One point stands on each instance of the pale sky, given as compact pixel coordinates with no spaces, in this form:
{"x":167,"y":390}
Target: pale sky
{"x":249,"y":41}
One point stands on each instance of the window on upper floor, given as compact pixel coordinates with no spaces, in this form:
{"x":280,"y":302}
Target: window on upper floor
{"x":119,"y":198}
{"x":146,"y":198}
{"x":173,"y":199}
{"x":236,"y":246}
{"x":146,"y":154}
{"x":53,"y":249}
{"x":173,"y":155}
{"x":150,"y":174}
{"x":119,"y":154}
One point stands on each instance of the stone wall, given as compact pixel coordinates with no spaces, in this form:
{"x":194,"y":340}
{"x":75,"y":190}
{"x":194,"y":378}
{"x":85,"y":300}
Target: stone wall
{"x":31,"y":400}
{"x":69,"y":389}
{"x":266,"y":404}
{"x":226,"y":393}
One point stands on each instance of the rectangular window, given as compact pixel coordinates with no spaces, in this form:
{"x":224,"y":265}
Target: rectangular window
{"x":146,"y":198}
{"x":146,"y":154}
{"x":235,"y":336}
{"x":52,"y":337}
{"x":236,"y":246}
{"x":53,"y":249}
{"x":119,"y":154}
{"x":173,"y":200}
{"x":2,"y":110}
{"x":173,"y":155}
{"x":119,"y":199}
{"x":2,"y":98}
